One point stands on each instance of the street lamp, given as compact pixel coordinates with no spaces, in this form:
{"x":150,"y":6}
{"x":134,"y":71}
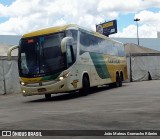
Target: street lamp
{"x":137,"y":19}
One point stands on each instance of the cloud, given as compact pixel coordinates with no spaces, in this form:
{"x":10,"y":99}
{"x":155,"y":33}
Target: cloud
{"x":151,"y":3}
{"x":148,"y":17}
{"x":149,"y":25}
{"x":119,"y":5}
{"x":129,"y":31}
{"x":25,"y":16}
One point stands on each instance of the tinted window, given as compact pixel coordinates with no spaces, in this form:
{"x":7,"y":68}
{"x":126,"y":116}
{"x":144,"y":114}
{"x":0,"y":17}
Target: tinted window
{"x":120,"y":49}
{"x":41,"y":55}
{"x":91,"y":43}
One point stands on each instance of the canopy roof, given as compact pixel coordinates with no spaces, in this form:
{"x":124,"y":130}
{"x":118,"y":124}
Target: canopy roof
{"x":131,"y":48}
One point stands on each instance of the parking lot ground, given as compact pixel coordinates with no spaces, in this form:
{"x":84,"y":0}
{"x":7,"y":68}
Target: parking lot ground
{"x":134,"y":106}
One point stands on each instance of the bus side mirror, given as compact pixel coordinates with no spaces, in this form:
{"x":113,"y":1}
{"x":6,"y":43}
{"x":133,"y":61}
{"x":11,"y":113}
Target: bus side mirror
{"x":10,"y":51}
{"x":67,"y":41}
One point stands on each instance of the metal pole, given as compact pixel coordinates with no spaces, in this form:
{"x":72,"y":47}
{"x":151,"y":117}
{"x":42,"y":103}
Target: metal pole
{"x":137,"y":34}
{"x":137,"y":29}
{"x":4,"y":77}
{"x":130,"y":59}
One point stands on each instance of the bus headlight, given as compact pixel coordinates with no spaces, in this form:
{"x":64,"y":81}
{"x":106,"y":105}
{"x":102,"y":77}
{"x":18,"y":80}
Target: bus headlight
{"x":64,"y":76}
{"x":23,"y":91}
{"x":22,"y":83}
{"x":61,"y":78}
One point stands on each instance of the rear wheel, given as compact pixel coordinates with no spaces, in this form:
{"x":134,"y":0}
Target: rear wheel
{"x":48,"y":96}
{"x":118,"y":82}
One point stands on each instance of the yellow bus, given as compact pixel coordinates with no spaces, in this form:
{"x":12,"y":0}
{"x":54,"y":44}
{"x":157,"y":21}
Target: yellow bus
{"x":68,"y":58}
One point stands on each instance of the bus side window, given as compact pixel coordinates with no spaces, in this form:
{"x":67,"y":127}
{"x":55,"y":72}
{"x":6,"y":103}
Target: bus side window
{"x":114,"y":49}
{"x":108,"y":48}
{"x":120,"y":49}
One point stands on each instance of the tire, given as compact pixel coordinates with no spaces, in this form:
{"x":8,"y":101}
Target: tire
{"x":118,"y":82}
{"x":94,"y":88}
{"x":85,"y":86}
{"x":121,"y":75}
{"x":48,"y":96}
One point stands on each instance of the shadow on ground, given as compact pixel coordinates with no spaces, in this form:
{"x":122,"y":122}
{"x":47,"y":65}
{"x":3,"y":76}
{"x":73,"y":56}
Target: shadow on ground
{"x":72,"y":95}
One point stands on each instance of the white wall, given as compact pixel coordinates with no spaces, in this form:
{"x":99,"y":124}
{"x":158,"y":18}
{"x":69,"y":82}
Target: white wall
{"x":9,"y":77}
{"x":141,"y":65}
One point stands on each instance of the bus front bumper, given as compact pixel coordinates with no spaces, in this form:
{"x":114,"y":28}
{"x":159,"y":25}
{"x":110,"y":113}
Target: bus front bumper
{"x":57,"y":87}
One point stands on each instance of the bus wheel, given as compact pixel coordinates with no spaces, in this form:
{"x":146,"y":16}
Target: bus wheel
{"x":118,"y":81}
{"x":85,"y":89}
{"x":48,"y":96}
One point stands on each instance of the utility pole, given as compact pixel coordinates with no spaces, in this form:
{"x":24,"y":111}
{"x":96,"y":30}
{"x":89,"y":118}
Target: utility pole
{"x":137,"y":19}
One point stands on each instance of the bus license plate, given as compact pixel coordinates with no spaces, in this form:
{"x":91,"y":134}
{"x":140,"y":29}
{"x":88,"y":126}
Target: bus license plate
{"x":41,"y":90}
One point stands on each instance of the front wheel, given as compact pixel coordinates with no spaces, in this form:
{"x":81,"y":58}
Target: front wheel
{"x":85,"y":86}
{"x":48,"y":96}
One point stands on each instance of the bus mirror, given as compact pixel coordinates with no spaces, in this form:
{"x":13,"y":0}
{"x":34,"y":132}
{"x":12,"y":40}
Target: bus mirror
{"x":10,"y":51}
{"x":65,"y":42}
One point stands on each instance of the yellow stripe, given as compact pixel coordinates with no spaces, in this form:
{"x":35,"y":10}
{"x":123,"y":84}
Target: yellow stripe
{"x":48,"y":31}
{"x":30,"y":80}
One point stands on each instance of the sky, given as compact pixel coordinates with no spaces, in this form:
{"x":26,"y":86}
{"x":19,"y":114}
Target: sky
{"x":18,"y":17}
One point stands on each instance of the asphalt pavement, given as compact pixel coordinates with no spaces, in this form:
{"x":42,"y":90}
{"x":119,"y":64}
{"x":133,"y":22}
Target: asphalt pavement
{"x":134,"y":106}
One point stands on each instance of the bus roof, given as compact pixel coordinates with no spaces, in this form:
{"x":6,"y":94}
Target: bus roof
{"x":62,"y":28}
{"x":48,"y":31}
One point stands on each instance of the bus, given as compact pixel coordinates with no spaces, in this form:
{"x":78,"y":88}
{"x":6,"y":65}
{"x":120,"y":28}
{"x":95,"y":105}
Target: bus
{"x":68,"y":58}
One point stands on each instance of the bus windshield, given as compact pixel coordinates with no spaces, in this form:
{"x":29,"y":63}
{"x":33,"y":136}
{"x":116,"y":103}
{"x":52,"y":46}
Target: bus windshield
{"x":41,"y":55}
